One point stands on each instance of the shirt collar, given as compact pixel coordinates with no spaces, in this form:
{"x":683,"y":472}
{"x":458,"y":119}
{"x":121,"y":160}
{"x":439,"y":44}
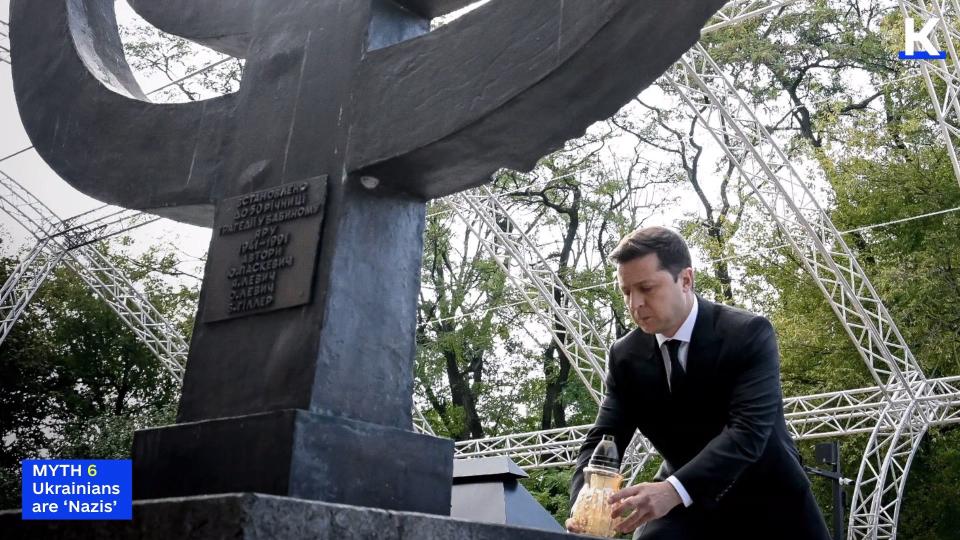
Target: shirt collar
{"x":686,"y":329}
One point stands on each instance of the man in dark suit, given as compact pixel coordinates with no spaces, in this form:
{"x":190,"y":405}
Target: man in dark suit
{"x":701,"y":381}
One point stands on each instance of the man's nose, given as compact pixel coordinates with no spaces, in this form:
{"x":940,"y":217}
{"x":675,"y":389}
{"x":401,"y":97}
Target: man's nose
{"x":636,"y":300}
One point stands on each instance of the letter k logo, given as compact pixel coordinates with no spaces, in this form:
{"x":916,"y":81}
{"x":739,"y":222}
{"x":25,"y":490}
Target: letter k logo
{"x":912,"y":37}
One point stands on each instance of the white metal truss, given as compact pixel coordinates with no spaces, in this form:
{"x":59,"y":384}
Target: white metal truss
{"x":420,"y":423}
{"x":530,"y":273}
{"x":24,"y":282}
{"x":824,"y":255}
{"x":806,"y":226}
{"x":540,"y":449}
{"x":4,"y":42}
{"x":59,"y":239}
{"x":818,"y":416}
{"x":942,"y":77}
{"x":883,"y":472}
{"x":738,"y":11}
{"x":163,"y":339}
{"x":99,"y":224}
{"x":30,"y":273}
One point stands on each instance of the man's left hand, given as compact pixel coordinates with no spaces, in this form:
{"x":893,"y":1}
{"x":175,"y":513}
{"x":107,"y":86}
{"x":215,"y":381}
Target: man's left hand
{"x":648,"y":501}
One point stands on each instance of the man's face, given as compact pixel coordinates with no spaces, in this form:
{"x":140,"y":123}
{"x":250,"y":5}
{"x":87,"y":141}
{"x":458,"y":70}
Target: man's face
{"x":657,"y":302}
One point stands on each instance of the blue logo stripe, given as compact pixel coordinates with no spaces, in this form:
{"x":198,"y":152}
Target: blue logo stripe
{"x":923,"y":55}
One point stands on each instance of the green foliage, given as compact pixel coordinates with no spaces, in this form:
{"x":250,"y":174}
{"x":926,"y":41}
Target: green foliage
{"x":915,"y":265}
{"x":75,"y":382}
{"x":931,"y":505}
{"x":551,"y":488}
{"x":468,"y":390}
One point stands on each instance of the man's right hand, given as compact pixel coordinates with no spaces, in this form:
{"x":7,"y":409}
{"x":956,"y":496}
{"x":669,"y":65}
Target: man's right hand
{"x":571,"y":525}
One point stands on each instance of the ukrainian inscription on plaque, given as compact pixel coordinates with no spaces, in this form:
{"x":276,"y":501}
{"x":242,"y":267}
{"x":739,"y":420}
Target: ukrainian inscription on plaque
{"x":264,"y":250}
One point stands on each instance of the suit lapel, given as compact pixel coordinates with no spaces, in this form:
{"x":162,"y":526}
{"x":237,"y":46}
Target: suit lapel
{"x":651,"y":376}
{"x":701,"y":357}
{"x":704,"y":342}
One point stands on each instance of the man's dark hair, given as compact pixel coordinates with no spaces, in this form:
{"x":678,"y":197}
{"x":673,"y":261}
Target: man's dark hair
{"x":669,"y":246}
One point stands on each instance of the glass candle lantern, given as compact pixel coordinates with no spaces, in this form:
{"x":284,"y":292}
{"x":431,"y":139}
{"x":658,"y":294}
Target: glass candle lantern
{"x":591,"y":511}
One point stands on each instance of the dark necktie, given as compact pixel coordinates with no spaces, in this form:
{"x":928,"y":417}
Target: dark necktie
{"x":676,"y":371}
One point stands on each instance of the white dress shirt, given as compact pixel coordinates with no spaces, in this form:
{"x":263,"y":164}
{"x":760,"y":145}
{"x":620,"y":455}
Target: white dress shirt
{"x":682,"y":335}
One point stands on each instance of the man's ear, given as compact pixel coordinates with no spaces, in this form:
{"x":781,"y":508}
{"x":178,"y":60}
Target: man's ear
{"x":686,"y":278}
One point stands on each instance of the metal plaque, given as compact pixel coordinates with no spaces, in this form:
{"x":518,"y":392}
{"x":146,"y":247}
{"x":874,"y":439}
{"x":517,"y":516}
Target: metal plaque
{"x":264,"y":250}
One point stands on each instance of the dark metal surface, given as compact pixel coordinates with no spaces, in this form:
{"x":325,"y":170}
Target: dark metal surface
{"x":90,"y":121}
{"x":227,"y":26}
{"x":561,"y":66}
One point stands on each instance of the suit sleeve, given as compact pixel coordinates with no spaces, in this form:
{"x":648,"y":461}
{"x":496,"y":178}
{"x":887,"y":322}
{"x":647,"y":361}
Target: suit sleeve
{"x":612,"y":419}
{"x":755,"y":402}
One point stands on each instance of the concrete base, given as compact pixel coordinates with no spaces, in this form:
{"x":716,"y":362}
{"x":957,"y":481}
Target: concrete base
{"x":296,"y":453}
{"x":249,"y":516}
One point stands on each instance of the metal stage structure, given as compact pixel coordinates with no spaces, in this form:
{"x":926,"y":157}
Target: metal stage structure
{"x":72,"y":241}
{"x":896,"y":412}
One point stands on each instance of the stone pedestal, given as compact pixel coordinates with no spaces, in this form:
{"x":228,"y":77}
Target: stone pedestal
{"x":298,"y":454}
{"x":253,"y":516}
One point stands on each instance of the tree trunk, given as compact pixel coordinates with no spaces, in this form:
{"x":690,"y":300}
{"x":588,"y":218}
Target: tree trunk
{"x":720,"y":267}
{"x":463,"y":397}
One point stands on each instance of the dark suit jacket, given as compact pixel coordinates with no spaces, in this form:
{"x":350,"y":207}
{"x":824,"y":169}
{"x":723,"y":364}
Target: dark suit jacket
{"x":724,"y":436}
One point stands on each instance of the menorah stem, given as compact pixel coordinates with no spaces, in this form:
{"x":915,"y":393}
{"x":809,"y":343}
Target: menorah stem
{"x":305,"y":399}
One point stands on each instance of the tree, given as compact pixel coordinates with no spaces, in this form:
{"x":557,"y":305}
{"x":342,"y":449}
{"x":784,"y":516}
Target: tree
{"x":562,"y":195}
{"x":712,"y":228}
{"x":882,"y":161}
{"x":75,"y":382}
{"x":189,"y":71}
{"x":455,"y":335}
